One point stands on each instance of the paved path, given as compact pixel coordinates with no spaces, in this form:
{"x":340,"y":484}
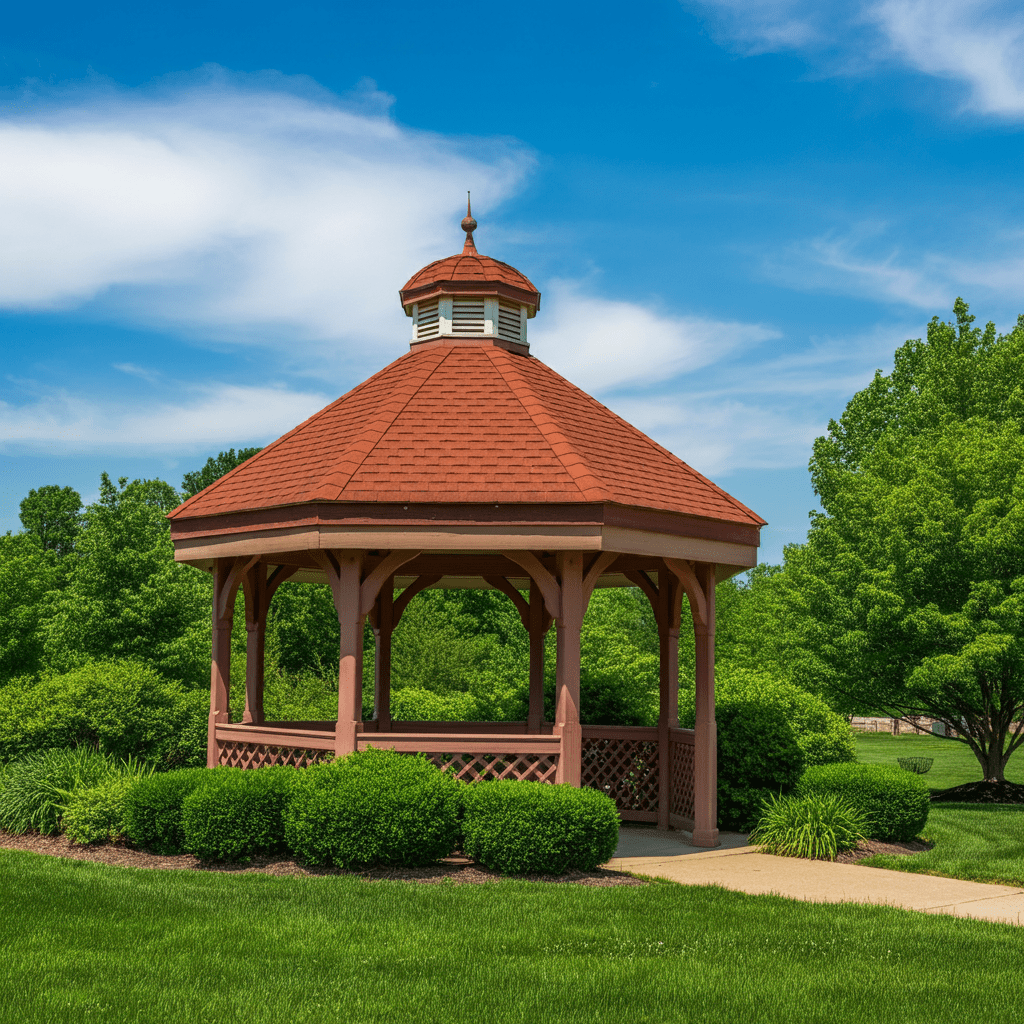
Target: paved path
{"x":735,"y":865}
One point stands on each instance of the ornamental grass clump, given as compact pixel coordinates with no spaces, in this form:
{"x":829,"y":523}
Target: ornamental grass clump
{"x":376,"y":807}
{"x":535,"y":828}
{"x":817,"y":827}
{"x":36,"y":788}
{"x":236,"y":814}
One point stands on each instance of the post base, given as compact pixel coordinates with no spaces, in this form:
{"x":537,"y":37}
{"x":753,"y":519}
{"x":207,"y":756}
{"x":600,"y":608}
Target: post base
{"x":705,"y":837}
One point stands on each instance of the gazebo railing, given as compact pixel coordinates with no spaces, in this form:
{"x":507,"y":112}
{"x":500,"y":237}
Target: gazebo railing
{"x":622,"y":761}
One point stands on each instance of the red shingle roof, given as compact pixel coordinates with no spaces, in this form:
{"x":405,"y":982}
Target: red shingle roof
{"x":467,"y":423}
{"x":468,"y":266}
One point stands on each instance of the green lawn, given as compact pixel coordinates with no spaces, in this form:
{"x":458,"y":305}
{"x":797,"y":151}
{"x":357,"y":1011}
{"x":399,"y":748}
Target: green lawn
{"x":85,"y":942}
{"x":954,"y":762}
{"x":978,"y":842}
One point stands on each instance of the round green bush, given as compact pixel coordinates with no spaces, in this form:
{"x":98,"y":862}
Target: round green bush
{"x":374,"y":807}
{"x":236,"y":814}
{"x":817,"y":826}
{"x":96,"y":815}
{"x":526,"y":828}
{"x":152,"y":809}
{"x":769,"y":730}
{"x":894,"y":802}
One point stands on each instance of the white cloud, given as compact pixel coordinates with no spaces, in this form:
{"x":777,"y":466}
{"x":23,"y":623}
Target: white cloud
{"x":602,"y":344}
{"x":978,"y":43}
{"x":247,"y":206}
{"x":207,"y":417}
{"x":717,"y":435}
{"x":864,"y":262}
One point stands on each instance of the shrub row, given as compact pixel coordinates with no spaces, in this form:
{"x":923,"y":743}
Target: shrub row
{"x":372,"y":808}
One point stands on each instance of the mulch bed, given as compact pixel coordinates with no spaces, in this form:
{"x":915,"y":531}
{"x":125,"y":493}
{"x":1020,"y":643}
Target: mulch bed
{"x":872,"y":846}
{"x":987,"y":792}
{"x":456,"y":869}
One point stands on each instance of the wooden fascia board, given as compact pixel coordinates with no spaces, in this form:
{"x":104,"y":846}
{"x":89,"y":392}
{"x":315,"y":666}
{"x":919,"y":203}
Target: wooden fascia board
{"x":395,"y":516}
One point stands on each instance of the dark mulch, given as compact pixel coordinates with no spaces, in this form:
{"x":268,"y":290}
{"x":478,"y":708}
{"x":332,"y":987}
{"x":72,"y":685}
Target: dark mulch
{"x":460,"y":870}
{"x":872,"y":846}
{"x":987,"y":792}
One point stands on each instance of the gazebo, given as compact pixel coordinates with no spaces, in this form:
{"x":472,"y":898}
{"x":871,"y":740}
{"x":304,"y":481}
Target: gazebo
{"x":469,"y":463}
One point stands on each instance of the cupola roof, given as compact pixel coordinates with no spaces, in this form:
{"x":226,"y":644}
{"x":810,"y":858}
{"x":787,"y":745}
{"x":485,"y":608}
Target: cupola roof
{"x":469,"y":273}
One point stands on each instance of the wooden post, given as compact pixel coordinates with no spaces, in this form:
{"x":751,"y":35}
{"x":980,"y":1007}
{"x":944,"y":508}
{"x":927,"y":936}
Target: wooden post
{"x":539,"y":622}
{"x":255,"y":586}
{"x":705,"y":754}
{"x":668,"y":687}
{"x":382,"y":658}
{"x":567,"y":694}
{"x":220,"y":666}
{"x":344,"y":573}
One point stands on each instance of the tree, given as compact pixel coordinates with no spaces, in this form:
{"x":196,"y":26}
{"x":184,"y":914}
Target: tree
{"x":51,"y":515}
{"x":125,"y":596}
{"x":27,"y":573}
{"x":908,"y":598}
{"x":216,"y":466}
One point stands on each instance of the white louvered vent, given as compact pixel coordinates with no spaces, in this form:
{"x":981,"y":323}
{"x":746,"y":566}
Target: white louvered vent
{"x":510,"y":324}
{"x":427,"y":325}
{"x":468,"y":316}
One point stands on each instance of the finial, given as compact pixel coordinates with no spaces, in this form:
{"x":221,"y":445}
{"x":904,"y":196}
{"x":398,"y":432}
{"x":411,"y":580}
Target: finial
{"x":469,"y":226}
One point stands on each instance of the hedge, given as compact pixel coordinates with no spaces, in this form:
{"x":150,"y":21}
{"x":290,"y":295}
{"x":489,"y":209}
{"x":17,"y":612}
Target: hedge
{"x":152,"y":809}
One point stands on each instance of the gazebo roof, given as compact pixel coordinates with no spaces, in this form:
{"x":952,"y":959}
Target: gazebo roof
{"x":466,"y":444}
{"x":467,"y":423}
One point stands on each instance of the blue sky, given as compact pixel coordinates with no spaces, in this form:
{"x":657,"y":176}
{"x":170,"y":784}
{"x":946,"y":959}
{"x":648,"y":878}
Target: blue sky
{"x":735,"y":211}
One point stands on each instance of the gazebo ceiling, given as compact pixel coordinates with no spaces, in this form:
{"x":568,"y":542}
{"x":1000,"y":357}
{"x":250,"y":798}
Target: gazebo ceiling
{"x":466,"y":444}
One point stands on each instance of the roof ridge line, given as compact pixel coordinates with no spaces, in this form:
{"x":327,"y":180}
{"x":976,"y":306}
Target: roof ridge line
{"x":552,"y":433}
{"x":365,"y":436}
{"x":661,"y":448}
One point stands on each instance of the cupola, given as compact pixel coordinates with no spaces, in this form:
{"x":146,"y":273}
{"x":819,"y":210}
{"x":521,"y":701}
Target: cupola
{"x":470,"y":298}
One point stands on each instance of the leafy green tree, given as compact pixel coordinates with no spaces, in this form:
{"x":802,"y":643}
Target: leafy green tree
{"x":125,"y":597}
{"x":51,"y":515}
{"x":908,"y":598}
{"x":27,"y":574}
{"x":216,"y":466}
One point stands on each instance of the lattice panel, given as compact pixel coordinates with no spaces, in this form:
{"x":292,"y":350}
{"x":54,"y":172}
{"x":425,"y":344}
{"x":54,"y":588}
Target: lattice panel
{"x":236,"y":754}
{"x":627,"y":770}
{"x":682,"y":779}
{"x":474,"y":767}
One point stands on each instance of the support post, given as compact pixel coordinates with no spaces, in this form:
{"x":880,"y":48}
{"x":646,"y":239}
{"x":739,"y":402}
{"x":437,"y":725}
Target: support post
{"x":382,"y":655}
{"x":538,"y":623}
{"x":567,"y":695}
{"x":668,"y":688}
{"x":255,"y":587}
{"x":344,"y":573}
{"x":705,"y":759}
{"x":220,"y":662}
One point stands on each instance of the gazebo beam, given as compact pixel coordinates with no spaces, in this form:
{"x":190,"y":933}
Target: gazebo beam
{"x":227,"y":575}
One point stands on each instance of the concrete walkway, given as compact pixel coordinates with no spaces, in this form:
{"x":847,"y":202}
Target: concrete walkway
{"x":735,"y":865}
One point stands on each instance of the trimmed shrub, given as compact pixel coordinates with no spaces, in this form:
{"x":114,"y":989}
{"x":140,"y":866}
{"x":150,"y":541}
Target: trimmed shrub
{"x":894,"y":802}
{"x":374,"y":807}
{"x":236,"y":814}
{"x":96,"y":814}
{"x":152,"y":809}
{"x":768,"y":732}
{"x":524,"y":828}
{"x":817,"y":826}
{"x":37,"y":788}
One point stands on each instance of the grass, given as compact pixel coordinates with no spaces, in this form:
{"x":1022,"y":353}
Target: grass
{"x":976,"y":842}
{"x":85,"y":942}
{"x":954,"y":762}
